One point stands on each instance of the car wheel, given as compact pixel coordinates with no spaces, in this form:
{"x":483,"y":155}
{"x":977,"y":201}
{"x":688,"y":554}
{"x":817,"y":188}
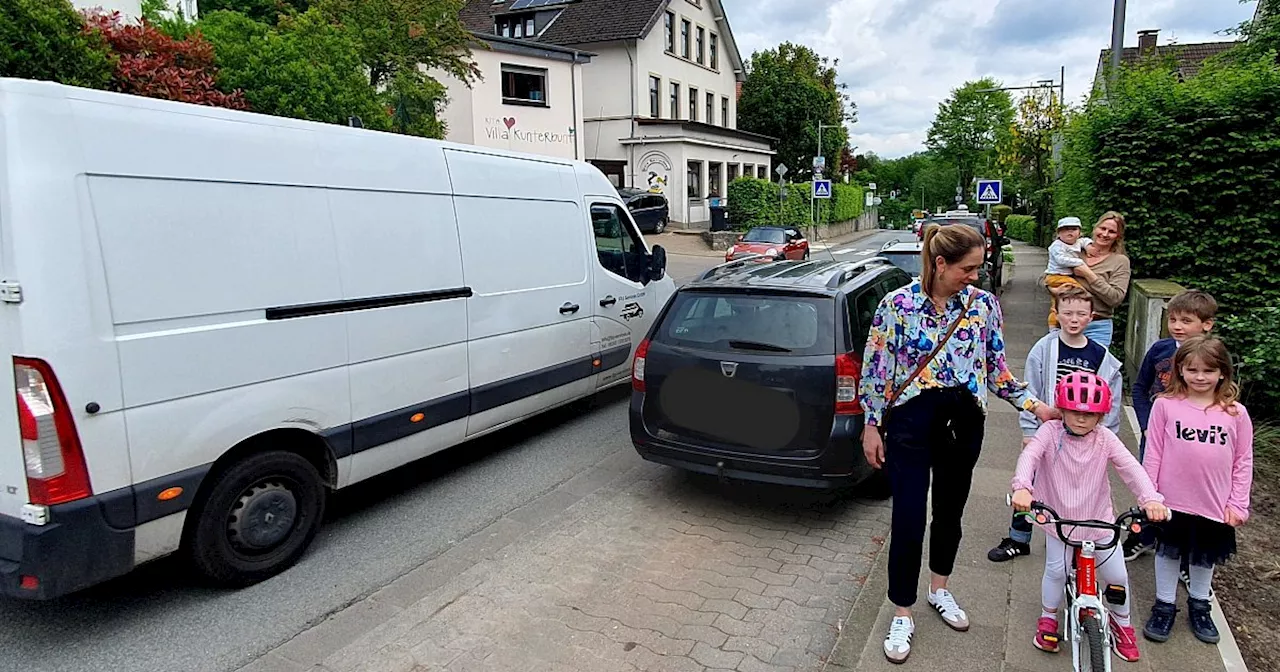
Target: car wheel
{"x":258,"y":519}
{"x":806,"y":256}
{"x":660,"y":226}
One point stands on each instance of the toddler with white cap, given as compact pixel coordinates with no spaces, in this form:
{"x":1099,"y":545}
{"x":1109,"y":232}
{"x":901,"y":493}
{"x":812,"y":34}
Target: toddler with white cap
{"x":1064,"y":255}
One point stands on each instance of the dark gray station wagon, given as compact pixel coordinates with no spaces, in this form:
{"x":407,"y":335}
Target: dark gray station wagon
{"x":751,"y":370}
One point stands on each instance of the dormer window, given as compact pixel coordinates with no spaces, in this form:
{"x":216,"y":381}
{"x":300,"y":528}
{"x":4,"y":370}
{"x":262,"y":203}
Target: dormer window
{"x":516,"y":25}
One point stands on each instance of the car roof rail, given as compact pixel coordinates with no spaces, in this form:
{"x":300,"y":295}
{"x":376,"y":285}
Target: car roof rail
{"x":853,"y":269}
{"x":738,"y":262}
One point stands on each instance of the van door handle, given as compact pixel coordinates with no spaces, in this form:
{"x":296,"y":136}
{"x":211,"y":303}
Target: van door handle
{"x":568,"y":308}
{"x":608,"y":301}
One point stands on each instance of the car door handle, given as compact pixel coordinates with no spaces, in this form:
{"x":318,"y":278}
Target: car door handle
{"x":607,"y":301}
{"x":568,"y":308}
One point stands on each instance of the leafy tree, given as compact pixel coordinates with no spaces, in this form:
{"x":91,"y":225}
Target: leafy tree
{"x":787,"y":92}
{"x":305,"y":67}
{"x":266,"y":11}
{"x":45,"y":40}
{"x":151,"y":63}
{"x":1027,"y":150}
{"x":398,"y":40}
{"x":969,"y":126}
{"x":1261,"y":37}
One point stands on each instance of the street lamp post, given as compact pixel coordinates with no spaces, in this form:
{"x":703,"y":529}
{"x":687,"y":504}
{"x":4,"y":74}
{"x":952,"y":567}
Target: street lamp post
{"x":813,"y":210}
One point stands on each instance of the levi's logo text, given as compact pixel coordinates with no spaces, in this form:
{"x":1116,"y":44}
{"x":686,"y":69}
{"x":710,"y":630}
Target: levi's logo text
{"x":1215,"y":434}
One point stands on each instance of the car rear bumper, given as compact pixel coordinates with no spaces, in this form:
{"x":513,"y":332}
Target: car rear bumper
{"x":75,"y":549}
{"x":839,"y":465}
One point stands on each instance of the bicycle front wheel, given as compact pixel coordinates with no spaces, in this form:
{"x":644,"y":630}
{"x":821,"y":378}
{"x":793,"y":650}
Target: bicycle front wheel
{"x":1097,"y":654}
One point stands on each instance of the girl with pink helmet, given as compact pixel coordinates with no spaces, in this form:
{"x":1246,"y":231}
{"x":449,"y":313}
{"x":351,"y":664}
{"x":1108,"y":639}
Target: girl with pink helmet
{"x":1065,"y":466}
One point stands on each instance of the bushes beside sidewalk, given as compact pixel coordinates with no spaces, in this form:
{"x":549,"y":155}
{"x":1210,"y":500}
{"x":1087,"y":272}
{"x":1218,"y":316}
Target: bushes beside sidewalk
{"x":755,"y":202}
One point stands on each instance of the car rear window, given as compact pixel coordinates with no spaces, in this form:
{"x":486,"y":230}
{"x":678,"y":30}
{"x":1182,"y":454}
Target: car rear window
{"x":766,"y":323}
{"x":907,"y":261}
{"x":973,"y":223}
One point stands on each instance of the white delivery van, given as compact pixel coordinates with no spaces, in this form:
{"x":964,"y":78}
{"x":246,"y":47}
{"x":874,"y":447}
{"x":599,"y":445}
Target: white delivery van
{"x":216,"y":318}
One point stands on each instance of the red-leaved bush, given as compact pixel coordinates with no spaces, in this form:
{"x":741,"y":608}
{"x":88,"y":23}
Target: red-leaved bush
{"x":151,"y":63}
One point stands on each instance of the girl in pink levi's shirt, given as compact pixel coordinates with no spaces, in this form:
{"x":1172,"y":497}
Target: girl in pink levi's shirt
{"x":1065,"y":466}
{"x":1200,"y":456}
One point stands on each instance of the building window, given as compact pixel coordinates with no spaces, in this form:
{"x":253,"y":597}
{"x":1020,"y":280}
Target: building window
{"x":702,"y":38}
{"x":524,"y":86}
{"x":693,"y":104}
{"x":684,"y":38}
{"x":517,"y":26}
{"x":693,"y":180}
{"x":748,"y":170}
{"x":713,"y":179}
{"x":715,"y":51}
{"x":711,"y":108}
{"x":669,"y":25}
{"x":762,"y":172}
{"x":655,"y":96}
{"x":724,"y":111}
{"x":733,"y":171}
{"x":675,"y":100}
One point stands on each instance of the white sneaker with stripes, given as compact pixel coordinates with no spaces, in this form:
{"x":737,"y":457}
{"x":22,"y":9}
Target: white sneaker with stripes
{"x":945,"y":604}
{"x":897,"y":646}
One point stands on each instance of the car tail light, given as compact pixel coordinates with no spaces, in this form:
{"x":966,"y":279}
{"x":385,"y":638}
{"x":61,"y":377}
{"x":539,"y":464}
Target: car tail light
{"x":56,"y":470}
{"x":848,"y":372}
{"x":637,"y":366}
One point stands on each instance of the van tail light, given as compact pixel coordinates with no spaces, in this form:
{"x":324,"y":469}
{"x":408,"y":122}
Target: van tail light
{"x":637,"y":366}
{"x":56,"y":470}
{"x":848,"y":373}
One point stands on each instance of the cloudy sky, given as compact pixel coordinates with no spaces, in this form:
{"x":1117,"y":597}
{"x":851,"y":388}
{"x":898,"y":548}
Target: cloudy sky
{"x":901,"y":58}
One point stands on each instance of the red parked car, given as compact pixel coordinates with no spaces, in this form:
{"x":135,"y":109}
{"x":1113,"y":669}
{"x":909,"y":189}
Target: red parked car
{"x":775,"y":242}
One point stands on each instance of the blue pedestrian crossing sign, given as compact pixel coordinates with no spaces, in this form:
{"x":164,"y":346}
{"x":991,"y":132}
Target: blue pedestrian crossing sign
{"x":822,"y":188}
{"x":990,"y":192}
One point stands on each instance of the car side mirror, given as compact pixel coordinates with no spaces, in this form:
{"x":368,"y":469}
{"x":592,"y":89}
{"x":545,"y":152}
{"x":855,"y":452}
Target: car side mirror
{"x":657,"y":263}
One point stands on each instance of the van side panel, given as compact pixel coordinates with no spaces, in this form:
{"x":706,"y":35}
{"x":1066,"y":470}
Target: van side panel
{"x":524,"y":256}
{"x":406,"y":359}
{"x":206,"y":225}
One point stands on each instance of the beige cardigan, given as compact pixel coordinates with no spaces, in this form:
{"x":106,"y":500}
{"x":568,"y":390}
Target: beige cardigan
{"x":1111,"y":286}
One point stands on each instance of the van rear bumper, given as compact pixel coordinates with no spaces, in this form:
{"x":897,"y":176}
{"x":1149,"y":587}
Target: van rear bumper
{"x":76,"y":549}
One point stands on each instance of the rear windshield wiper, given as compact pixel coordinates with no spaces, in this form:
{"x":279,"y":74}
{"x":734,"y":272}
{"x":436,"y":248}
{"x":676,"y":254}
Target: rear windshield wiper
{"x":755,"y":345}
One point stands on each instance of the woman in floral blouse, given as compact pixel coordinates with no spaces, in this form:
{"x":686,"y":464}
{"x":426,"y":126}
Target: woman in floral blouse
{"x":935,"y":420}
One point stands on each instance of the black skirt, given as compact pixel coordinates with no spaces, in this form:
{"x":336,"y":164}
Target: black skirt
{"x":1203,"y":542}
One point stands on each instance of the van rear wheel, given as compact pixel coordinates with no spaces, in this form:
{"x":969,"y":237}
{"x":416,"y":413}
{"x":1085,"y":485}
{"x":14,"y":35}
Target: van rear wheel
{"x":258,"y":519}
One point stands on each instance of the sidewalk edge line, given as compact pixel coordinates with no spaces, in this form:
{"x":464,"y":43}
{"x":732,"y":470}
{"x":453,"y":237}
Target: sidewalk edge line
{"x":1228,"y":650}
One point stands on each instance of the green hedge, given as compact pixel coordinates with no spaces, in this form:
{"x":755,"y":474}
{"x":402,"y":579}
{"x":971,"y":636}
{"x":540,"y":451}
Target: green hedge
{"x":754,"y":202}
{"x":1195,"y":168}
{"x":1021,"y":227}
{"x":1000,"y":213}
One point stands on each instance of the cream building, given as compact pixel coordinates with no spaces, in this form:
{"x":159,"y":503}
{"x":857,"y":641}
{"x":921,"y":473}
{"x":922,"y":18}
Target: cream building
{"x":529,"y":100}
{"x":659,"y":95}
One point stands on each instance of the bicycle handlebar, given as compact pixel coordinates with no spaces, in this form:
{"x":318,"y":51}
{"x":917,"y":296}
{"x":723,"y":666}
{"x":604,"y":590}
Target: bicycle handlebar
{"x":1135,"y":518}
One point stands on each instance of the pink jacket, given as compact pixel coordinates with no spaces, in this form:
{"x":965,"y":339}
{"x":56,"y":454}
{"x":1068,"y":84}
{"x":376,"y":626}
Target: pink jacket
{"x":1202,"y":460}
{"x":1069,"y":473}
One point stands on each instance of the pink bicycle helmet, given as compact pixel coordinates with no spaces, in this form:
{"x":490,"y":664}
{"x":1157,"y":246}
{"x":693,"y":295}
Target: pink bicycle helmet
{"x":1085,"y":392}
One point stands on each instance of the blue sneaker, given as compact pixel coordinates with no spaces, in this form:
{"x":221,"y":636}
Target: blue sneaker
{"x":1160,"y":625}
{"x":1199,"y":614}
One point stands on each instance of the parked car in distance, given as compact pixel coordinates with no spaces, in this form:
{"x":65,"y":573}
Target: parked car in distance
{"x":750,"y":372}
{"x":650,"y":211}
{"x":773,"y":242}
{"x":904,"y":254}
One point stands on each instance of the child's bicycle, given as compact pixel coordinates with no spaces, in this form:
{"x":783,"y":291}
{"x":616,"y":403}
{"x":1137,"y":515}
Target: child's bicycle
{"x":1088,"y":619}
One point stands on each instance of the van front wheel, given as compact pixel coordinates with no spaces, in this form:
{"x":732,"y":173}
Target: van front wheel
{"x":258,"y":519}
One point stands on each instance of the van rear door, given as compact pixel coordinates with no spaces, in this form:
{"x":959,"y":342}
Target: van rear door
{"x":13,"y":470}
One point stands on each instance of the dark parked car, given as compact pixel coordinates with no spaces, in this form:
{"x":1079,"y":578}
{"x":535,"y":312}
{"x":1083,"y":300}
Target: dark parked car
{"x":650,"y":211}
{"x":751,"y":371}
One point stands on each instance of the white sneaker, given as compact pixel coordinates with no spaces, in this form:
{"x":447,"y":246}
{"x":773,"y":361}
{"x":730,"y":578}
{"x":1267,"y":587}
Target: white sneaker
{"x":897,"y":646}
{"x":951,"y":613}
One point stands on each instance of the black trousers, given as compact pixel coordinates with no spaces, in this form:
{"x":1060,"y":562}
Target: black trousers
{"x":938,"y":434}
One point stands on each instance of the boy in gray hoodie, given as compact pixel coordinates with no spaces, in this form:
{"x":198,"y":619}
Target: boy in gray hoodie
{"x":1058,"y":353}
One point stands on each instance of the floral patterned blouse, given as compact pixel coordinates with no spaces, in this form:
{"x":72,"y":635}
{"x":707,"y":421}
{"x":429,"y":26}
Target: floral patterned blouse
{"x":906,"y":329}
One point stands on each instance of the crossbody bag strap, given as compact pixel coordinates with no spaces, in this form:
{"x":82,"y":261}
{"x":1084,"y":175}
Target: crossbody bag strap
{"x":941,"y":344}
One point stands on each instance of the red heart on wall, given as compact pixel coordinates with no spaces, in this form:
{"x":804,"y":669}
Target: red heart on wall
{"x":509,"y":121}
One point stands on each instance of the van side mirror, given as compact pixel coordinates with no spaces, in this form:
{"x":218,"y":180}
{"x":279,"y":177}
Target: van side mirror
{"x":657,"y":263}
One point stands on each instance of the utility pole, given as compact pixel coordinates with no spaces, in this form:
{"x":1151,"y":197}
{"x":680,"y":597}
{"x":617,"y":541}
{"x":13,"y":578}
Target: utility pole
{"x":1117,"y":41}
